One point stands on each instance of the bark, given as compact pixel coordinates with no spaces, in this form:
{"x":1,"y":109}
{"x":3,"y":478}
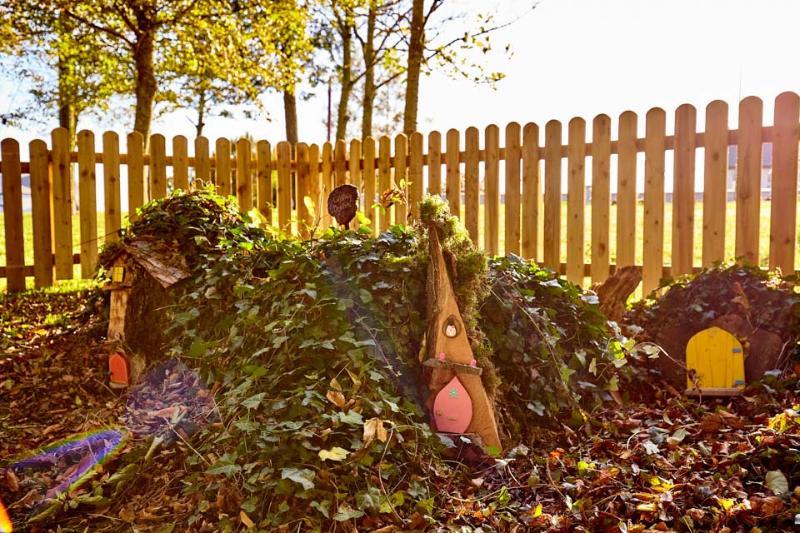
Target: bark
{"x":290,"y":116}
{"x":416,"y":47}
{"x":146,"y":84}
{"x":369,"y":74}
{"x":346,"y":32}
{"x":201,"y":113}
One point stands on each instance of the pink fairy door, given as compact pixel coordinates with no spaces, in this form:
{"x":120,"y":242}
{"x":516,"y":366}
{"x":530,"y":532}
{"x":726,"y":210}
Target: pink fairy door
{"x":452,"y":408}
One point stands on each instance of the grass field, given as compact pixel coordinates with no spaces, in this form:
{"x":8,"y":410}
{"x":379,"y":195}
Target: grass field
{"x":698,"y":231}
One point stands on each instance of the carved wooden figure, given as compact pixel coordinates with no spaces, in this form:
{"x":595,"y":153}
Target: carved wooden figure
{"x":457,"y":399}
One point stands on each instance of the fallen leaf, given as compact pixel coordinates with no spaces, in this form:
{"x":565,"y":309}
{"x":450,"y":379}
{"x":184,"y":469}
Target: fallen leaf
{"x":776,"y":481}
{"x":374,"y":429}
{"x":246,"y":520}
{"x":336,"y":398}
{"x":334,"y":454}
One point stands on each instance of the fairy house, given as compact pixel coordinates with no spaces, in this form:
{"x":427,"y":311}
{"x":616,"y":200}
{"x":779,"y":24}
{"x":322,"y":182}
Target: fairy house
{"x":457,"y":400}
{"x":142,"y":271}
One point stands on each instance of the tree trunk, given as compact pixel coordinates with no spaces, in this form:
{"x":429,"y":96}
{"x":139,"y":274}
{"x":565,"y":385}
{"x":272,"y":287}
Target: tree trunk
{"x":146,"y":84}
{"x":347,"y":85}
{"x":290,"y":116}
{"x":416,"y":47}
{"x":369,"y":73}
{"x":201,"y":113}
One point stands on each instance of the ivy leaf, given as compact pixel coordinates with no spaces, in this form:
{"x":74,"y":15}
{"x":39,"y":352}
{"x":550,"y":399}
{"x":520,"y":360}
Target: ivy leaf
{"x":253,"y":401}
{"x":334,"y":454}
{"x":345,"y":513}
{"x":226,"y":470}
{"x":304,"y":477}
{"x":352,"y":418}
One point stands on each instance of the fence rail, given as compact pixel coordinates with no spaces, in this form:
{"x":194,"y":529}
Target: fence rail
{"x":275,"y":180}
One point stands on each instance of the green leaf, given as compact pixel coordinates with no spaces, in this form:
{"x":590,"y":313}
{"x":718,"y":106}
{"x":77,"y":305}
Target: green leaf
{"x":226,"y":470}
{"x":253,"y":401}
{"x":352,"y":417}
{"x":345,"y":513}
{"x":304,"y":477}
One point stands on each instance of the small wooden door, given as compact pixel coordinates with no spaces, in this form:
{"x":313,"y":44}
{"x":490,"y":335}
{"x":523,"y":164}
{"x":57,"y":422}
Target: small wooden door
{"x":717,"y":359}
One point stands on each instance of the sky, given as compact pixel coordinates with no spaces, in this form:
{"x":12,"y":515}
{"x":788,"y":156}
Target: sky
{"x":569,"y":58}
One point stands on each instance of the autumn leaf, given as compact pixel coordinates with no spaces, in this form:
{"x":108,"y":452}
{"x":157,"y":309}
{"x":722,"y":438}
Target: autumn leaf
{"x":246,"y":520}
{"x":336,"y":398}
{"x":374,"y":429}
{"x":334,"y":454}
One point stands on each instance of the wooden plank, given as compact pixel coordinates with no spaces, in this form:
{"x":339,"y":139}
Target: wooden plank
{"x":601,"y":196}
{"x":305,"y":216}
{"x":369,"y":182}
{"x":12,"y":213}
{"x":653,"y":245}
{"x":748,"y":180}
{"x":715,"y":182}
{"x":453,"y":173}
{"x":415,"y":173}
{"x":62,"y":204}
{"x":472,"y":184}
{"x":340,"y":163}
{"x":683,"y":190}
{"x":530,"y":190}
{"x":354,"y":169}
{"x":783,"y":219}
{"x":327,"y":182}
{"x":435,"y":162}
{"x":626,"y":189}
{"x":401,"y":177}
{"x":40,"y":212}
{"x":180,"y":163}
{"x":222,"y":161}
{"x":202,"y":161}
{"x":135,"y":162}
{"x":384,"y":178}
{"x":284,"y":186}
{"x":513,"y":156}
{"x":244,"y":175}
{"x":111,"y":186}
{"x":158,"y":166}
{"x":315,"y":185}
{"x":264,"y":180}
{"x":552,"y":195}
{"x":87,"y":190}
{"x":491,"y":212}
{"x":576,"y":198}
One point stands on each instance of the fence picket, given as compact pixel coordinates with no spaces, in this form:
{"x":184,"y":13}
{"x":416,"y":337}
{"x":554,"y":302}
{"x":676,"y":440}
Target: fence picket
{"x":369,"y":181}
{"x":513,"y":194}
{"x":202,"y":162}
{"x":530,"y":191}
{"x":158,"y":166}
{"x":453,"y":173}
{"x":552,"y":195}
{"x":40,"y":212}
{"x":683,"y":190}
{"x":415,"y":163}
{"x":748,"y":179}
{"x":305,"y":217}
{"x":340,"y":163}
{"x":576,"y":198}
{"x":472,"y":184}
{"x":327,"y":181}
{"x":783,"y":219}
{"x":180,"y":163}
{"x":264,"y":180}
{"x":626,"y":190}
{"x":401,"y":177}
{"x":136,"y":190}
{"x":653,"y":245}
{"x":354,"y":168}
{"x":62,"y":204}
{"x":222,"y":167}
{"x":314,"y":184}
{"x":714,"y":182}
{"x":601,"y":196}
{"x":244,"y":175}
{"x":384,"y":178}
{"x":435,"y":162}
{"x":12,"y":213}
{"x":491,"y":212}
{"x":87,"y":191}
{"x":284,"y":167}
{"x":111,"y":186}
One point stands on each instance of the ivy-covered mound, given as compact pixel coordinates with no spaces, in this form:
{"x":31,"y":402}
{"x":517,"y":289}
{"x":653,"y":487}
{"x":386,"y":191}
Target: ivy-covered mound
{"x":759,"y":308}
{"x":313,"y":347}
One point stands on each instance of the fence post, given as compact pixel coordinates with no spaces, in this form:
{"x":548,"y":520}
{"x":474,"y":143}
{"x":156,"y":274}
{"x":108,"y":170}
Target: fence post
{"x":87,"y":189}
{"x":12,"y":213}
{"x":41,"y":189}
{"x":783,"y":219}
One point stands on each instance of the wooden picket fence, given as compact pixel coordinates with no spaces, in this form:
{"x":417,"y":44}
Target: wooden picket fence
{"x":532,"y":169}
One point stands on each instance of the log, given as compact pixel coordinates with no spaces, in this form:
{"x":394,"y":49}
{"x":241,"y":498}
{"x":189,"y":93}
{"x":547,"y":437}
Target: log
{"x":615,"y":291}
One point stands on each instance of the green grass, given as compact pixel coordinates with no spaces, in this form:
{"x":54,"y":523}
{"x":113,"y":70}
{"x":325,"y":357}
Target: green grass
{"x":730,"y":224}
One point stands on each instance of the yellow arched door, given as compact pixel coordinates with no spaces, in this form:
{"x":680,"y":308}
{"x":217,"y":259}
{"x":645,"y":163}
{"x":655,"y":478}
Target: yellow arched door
{"x":717,"y":358}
